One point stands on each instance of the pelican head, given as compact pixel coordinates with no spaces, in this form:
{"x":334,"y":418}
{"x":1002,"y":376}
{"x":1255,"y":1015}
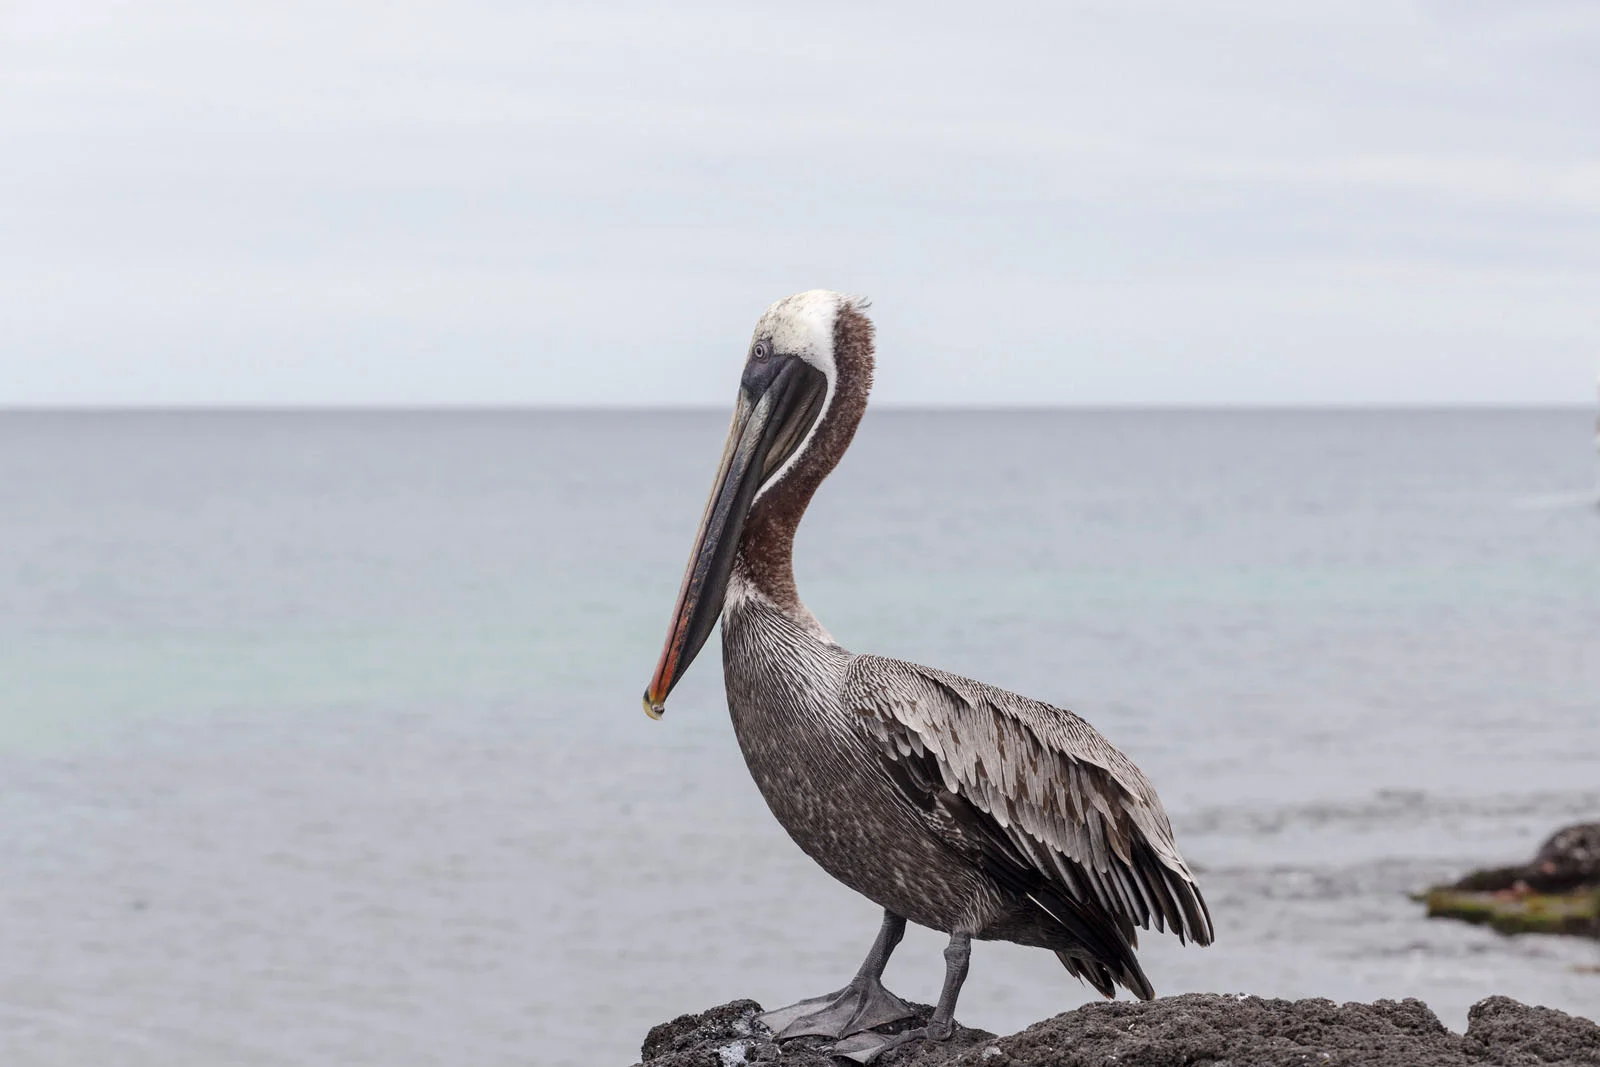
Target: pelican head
{"x":786,"y":393}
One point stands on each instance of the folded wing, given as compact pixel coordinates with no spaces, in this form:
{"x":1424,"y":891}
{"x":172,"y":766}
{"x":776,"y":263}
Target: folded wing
{"x":1050,"y":806}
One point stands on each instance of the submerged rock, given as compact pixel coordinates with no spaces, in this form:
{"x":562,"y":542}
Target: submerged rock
{"x":1184,"y":1031}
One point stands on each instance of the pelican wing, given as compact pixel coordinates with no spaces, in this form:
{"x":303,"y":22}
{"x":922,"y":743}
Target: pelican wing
{"x":1052,"y":807}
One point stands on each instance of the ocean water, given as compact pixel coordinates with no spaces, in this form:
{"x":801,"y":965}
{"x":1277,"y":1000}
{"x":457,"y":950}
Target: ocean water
{"x":320,"y":736}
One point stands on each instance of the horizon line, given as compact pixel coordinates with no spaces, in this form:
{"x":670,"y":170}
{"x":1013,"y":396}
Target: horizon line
{"x":654,"y":409}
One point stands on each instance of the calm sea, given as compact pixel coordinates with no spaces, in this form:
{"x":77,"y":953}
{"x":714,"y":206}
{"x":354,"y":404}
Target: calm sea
{"x":321,"y":742}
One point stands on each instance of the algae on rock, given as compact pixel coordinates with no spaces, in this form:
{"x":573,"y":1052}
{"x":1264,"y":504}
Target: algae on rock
{"x":1520,"y":913}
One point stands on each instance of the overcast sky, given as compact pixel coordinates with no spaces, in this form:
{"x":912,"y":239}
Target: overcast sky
{"x":522,"y":203}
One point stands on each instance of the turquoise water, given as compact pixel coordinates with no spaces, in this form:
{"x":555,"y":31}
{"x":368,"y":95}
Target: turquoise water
{"x":321,"y":737}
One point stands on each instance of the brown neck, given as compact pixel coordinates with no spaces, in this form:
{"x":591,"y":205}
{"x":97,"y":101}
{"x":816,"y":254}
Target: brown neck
{"x":766,"y":550}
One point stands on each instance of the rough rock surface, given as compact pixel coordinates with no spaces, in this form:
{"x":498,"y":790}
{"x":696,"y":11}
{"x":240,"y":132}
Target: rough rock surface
{"x":730,"y":1035}
{"x":1193,"y":1030}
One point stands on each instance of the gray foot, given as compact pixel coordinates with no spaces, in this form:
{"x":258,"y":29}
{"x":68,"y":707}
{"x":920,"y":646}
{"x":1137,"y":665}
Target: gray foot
{"x":861,"y":1005}
{"x":864,"y":1048}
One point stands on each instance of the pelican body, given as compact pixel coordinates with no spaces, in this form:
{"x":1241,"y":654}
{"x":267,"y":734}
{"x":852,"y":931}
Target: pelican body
{"x":947,"y":802}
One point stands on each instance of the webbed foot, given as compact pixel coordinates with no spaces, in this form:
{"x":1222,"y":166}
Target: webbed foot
{"x":861,"y":1005}
{"x":867,"y":1047}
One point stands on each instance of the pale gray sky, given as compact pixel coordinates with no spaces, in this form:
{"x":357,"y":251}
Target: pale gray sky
{"x":1318,"y":201}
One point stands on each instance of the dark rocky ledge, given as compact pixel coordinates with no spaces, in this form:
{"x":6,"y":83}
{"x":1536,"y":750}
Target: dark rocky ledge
{"x":1193,"y":1030}
{"x":1567,"y":862}
{"x":1556,"y":892}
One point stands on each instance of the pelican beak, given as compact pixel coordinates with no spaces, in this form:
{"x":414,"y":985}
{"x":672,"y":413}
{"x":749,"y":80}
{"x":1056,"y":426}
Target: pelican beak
{"x":780,"y":400}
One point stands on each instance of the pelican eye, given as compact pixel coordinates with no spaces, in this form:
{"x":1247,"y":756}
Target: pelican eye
{"x":762,"y":350}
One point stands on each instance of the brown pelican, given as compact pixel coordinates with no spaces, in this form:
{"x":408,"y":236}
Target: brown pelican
{"x":947,"y":802}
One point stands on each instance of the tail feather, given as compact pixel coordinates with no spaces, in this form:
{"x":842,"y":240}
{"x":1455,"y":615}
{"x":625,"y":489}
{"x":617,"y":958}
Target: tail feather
{"x":1102,"y":945}
{"x":1100,"y":976}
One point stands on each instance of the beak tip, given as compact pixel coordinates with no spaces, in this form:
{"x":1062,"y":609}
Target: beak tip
{"x":654,"y":708}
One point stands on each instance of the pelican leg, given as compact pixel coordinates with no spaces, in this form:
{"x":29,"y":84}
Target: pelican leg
{"x":861,"y":1005}
{"x":864,"y":1048}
